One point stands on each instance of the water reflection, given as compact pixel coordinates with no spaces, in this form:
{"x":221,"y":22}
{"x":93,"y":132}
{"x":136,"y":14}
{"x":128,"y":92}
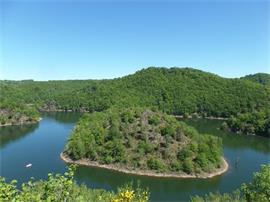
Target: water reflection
{"x":63,"y":117}
{"x":9,"y":134}
{"x":114,"y":179}
{"x":230,"y":140}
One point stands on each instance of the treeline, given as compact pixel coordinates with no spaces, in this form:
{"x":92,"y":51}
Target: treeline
{"x":143,"y":139}
{"x":261,"y":78}
{"x":174,"y":91}
{"x":255,"y":191}
{"x":254,"y":123}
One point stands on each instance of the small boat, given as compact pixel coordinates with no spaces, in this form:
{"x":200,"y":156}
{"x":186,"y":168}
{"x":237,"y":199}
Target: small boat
{"x":29,"y":165}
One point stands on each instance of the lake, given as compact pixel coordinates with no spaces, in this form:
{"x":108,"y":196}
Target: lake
{"x":41,"y":144}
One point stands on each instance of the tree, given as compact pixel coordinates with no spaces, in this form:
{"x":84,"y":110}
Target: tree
{"x":259,"y":188}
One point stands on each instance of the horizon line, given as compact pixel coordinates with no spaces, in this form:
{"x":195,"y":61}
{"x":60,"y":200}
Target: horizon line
{"x":121,"y":76}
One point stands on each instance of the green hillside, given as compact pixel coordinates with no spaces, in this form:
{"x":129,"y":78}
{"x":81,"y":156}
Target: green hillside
{"x":174,"y":90}
{"x":261,"y":78}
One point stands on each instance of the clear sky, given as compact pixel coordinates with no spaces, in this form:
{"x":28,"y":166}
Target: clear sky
{"x":44,"y":40}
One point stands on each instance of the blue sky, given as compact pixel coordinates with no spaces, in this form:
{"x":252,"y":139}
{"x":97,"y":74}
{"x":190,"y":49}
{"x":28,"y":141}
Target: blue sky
{"x":44,"y":40}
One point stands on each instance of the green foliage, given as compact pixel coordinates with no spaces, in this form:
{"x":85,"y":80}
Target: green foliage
{"x":259,"y":188}
{"x":128,"y":193}
{"x":58,"y":188}
{"x":255,"y":123}
{"x":218,"y":197}
{"x":155,"y":164}
{"x":188,"y":166}
{"x":154,"y":120}
{"x":17,"y":113}
{"x":256,"y":191}
{"x":8,"y":191}
{"x":168,"y":130}
{"x":261,"y":78}
{"x":129,"y":138}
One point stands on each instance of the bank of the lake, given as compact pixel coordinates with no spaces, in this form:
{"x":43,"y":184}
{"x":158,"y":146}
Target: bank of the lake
{"x":195,"y":116}
{"x":21,"y":123}
{"x":85,"y":162}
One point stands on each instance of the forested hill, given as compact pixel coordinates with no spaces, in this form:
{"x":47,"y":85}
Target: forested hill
{"x":138,"y":139}
{"x":174,"y":90}
{"x":261,"y":78}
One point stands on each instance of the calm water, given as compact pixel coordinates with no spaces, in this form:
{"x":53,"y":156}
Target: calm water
{"x":41,"y":144}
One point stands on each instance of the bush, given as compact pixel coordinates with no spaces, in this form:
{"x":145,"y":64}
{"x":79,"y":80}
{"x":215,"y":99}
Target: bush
{"x":259,"y":188}
{"x":154,"y":120}
{"x":168,"y":130}
{"x":188,"y":166}
{"x":155,"y":164}
{"x":60,"y":188}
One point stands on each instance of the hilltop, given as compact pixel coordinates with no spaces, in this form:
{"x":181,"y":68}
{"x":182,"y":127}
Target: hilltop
{"x":261,"y":78}
{"x":174,"y":91}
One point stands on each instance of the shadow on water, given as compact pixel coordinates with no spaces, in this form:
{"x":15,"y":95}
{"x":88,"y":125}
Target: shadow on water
{"x":9,"y":134}
{"x":100,"y":178}
{"x":63,"y":117}
{"x":230,"y":140}
{"x":161,"y":189}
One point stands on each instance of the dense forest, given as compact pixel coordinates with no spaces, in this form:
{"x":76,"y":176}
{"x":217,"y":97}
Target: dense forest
{"x":174,"y":91}
{"x":261,"y":78}
{"x":60,"y":188}
{"x":250,"y":123}
{"x":144,"y":140}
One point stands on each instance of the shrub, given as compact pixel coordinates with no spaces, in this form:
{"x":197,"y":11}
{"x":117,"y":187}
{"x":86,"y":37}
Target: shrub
{"x":155,"y":164}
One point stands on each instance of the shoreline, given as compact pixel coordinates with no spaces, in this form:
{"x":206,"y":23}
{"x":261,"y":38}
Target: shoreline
{"x":21,"y":123}
{"x":200,"y":117}
{"x":85,"y":162}
{"x":176,"y":116}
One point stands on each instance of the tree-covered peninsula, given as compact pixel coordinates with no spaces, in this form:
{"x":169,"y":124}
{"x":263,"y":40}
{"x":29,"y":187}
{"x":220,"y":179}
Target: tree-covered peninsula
{"x":146,"y":142}
{"x":15,"y":113}
{"x":173,"y":90}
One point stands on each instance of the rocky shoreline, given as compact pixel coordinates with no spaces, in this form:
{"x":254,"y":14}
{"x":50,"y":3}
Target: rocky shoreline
{"x":200,"y":117}
{"x":86,"y":162}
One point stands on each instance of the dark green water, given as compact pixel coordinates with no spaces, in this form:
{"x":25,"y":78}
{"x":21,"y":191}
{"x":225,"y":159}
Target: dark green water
{"x":41,"y":144}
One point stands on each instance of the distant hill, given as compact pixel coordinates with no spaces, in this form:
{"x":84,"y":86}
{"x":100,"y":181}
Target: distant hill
{"x":173,"y":90}
{"x":261,"y":78}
